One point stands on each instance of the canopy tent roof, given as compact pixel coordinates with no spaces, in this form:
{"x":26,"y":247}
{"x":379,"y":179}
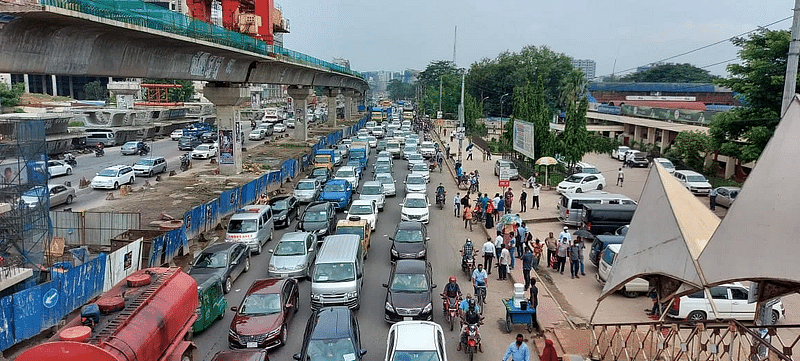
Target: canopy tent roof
{"x":757,"y":236}
{"x":669,"y":230}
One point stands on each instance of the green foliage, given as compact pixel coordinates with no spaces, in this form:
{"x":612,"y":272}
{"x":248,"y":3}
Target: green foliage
{"x":183,"y":94}
{"x":399,"y":90}
{"x":670,"y":73}
{"x":76,"y":123}
{"x":10,"y":95}
{"x":451,"y":89}
{"x":495,"y":77}
{"x":472,"y":112}
{"x":744,"y":132}
{"x":599,"y":144}
{"x":574,"y":142}
{"x":96,"y":91}
{"x":530,"y":105}
{"x":690,"y":148}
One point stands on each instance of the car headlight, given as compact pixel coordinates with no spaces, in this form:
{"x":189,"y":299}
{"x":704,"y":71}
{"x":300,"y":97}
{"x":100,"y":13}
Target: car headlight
{"x":298,"y":267}
{"x":421,"y":253}
{"x":272,"y":267}
{"x":274,"y":332}
{"x":353,"y":294}
{"x":281,"y":218}
{"x":427,"y":308}
{"x":341,"y":199}
{"x":322,"y":231}
{"x":394,"y":252}
{"x":233,"y":335}
{"x":389,"y":307}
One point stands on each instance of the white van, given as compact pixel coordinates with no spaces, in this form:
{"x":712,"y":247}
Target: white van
{"x":252,"y":225}
{"x":570,"y":207}
{"x":633,"y":288}
{"x":338,"y":273}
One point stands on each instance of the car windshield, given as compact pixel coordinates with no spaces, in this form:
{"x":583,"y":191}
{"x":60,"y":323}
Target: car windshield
{"x":108,"y":173}
{"x":211,"y":260}
{"x":419,"y":166}
{"x":416,"y":180}
{"x":358,"y":209}
{"x":393,"y":145}
{"x":414,"y":156}
{"x":281,"y":204}
{"x":334,"y":187}
{"x":384,"y":179}
{"x":319,"y":172}
{"x":201,"y":147}
{"x":261,"y":304}
{"x":416,"y":355}
{"x":383,"y":162}
{"x":322,"y":158}
{"x":408,"y":236}
{"x":383,"y":169}
{"x":304,"y":186}
{"x":574,"y":179}
{"x":357,"y":230}
{"x":696,"y":178}
{"x":315,"y":216}
{"x":290,"y":248}
{"x":334,"y":349}
{"x":147,"y":162}
{"x":130,"y":144}
{"x":416,"y":203}
{"x":409,"y":282}
{"x":334,"y":272}
{"x":345,"y":173}
{"x":667,"y":164}
{"x":242,"y":226}
{"x":590,"y":170}
{"x":371,"y":190}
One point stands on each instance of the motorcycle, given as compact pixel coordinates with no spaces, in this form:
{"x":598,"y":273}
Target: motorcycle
{"x":450,"y":309}
{"x":144,"y":150}
{"x":468,"y":265}
{"x":70,"y":159}
{"x":99,"y":152}
{"x":440,"y":200}
{"x":186,"y":162}
{"x":473,"y":341}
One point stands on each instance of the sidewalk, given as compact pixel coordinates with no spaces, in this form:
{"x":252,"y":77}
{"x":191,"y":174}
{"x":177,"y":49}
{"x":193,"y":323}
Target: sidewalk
{"x":540,"y":221}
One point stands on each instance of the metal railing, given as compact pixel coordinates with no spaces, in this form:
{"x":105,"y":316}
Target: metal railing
{"x":157,"y":18}
{"x":693,"y":341}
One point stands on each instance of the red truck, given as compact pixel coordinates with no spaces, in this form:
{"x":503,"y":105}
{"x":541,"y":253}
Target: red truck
{"x":146,"y":317}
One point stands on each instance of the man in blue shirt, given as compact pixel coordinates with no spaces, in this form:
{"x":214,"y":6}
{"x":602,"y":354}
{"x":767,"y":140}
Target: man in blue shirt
{"x":518,"y":350}
{"x":479,"y":277}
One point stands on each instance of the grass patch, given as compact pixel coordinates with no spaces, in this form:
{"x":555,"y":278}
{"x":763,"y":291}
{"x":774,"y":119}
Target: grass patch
{"x":722,"y":182}
{"x":76,"y":123}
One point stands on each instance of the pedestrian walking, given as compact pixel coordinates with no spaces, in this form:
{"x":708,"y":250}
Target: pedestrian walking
{"x":488,"y":254}
{"x":502,"y":264}
{"x":565,"y":235}
{"x":469,"y":152}
{"x":523,"y":231}
{"x":498,"y":245}
{"x":549,"y":351}
{"x":527,"y":266}
{"x":581,"y":251}
{"x":468,"y":217}
{"x":457,"y":205}
{"x":620,"y":177}
{"x":511,"y":247}
{"x":518,"y":350}
{"x":534,"y":299}
{"x":536,"y":249}
{"x":537,"y":188}
{"x":489,"y":215}
{"x":573,"y":253}
{"x":523,"y":198}
{"x":500,"y":209}
{"x":562,"y":255}
{"x":552,"y":250}
{"x":489,"y":154}
{"x":712,"y":199}
{"x":509,"y":198}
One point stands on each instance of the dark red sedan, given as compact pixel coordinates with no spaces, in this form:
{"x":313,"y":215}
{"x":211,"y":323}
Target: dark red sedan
{"x":262,"y":319}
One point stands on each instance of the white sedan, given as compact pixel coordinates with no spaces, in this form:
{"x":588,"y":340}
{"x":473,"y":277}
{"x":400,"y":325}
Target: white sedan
{"x":205,"y":151}
{"x":415,"y":208}
{"x":581,"y":182}
{"x":57,"y":167}
{"x":423,"y":170}
{"x":367,"y":209}
{"x":279,"y":128}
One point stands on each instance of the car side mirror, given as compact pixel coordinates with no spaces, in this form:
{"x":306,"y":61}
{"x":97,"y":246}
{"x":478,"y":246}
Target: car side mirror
{"x":429,"y":204}
{"x":433,"y":286}
{"x":427,"y":238}
{"x":386,"y":285}
{"x":235,"y":309}
{"x":270,"y":250}
{"x":362,"y":352}
{"x":296,"y":356}
{"x":234,"y":263}
{"x":289,"y":305}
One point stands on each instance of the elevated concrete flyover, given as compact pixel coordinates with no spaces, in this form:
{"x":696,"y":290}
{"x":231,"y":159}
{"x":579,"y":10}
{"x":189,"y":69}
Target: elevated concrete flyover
{"x":44,"y":39}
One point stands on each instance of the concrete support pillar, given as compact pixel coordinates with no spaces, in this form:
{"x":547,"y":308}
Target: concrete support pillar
{"x":651,"y":135}
{"x":300,"y":96}
{"x":227,"y":99}
{"x":55,"y":85}
{"x":665,"y":140}
{"x":27,"y":83}
{"x":730,"y":167}
{"x":637,"y":133}
{"x":348,"y":104}
{"x":71,"y":91}
{"x":332,"y":94}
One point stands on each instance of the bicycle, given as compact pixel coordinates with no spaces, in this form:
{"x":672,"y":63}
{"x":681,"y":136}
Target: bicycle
{"x":480,"y":297}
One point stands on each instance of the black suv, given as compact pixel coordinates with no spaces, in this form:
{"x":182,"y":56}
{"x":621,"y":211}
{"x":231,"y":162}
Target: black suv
{"x":188,"y":143}
{"x":284,"y":209}
{"x":410,"y":240}
{"x":332,"y":334}
{"x":209,"y":137}
{"x":318,"y":218}
{"x":408,"y":293}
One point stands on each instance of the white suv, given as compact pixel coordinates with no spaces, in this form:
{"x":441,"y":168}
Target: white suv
{"x":693,"y":181}
{"x":419,"y":340}
{"x":730,"y":301}
{"x":112,"y":177}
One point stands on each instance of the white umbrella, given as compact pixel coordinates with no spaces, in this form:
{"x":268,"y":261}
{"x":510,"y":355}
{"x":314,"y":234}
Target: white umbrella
{"x":546,"y":161}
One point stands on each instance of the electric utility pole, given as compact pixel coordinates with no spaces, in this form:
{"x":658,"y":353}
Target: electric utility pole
{"x":461,"y":116}
{"x":790,"y":82}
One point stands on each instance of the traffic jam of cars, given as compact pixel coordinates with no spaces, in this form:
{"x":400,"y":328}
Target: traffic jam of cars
{"x":330,"y":253}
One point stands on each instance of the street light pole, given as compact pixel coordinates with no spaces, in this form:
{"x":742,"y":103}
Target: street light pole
{"x":461,"y":115}
{"x":501,"y":107}
{"x":482,"y":99}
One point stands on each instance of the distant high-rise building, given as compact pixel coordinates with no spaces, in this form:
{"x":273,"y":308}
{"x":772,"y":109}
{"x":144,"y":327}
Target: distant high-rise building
{"x":586,"y":65}
{"x":342,"y":62}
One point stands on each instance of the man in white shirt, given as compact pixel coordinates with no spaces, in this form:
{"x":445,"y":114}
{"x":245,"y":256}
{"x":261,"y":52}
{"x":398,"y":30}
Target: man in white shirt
{"x":457,"y":205}
{"x":564,"y":236}
{"x":488,"y":255}
{"x":503,"y":262}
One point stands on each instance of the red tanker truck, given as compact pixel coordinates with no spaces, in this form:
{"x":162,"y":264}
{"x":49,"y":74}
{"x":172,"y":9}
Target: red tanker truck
{"x":146,"y":317}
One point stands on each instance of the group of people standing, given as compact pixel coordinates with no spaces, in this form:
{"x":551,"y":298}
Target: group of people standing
{"x":564,"y":248}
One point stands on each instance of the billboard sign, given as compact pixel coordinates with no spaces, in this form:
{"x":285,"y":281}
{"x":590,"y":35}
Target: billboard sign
{"x":505,"y":175}
{"x":523,"y":138}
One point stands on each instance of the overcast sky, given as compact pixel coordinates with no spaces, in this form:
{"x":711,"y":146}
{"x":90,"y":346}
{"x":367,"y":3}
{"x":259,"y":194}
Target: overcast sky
{"x":397,"y":35}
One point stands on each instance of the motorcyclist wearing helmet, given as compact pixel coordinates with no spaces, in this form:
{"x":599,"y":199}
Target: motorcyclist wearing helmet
{"x":467,"y":252}
{"x":451,"y":292}
{"x":471,"y":317}
{"x":440,"y":190}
